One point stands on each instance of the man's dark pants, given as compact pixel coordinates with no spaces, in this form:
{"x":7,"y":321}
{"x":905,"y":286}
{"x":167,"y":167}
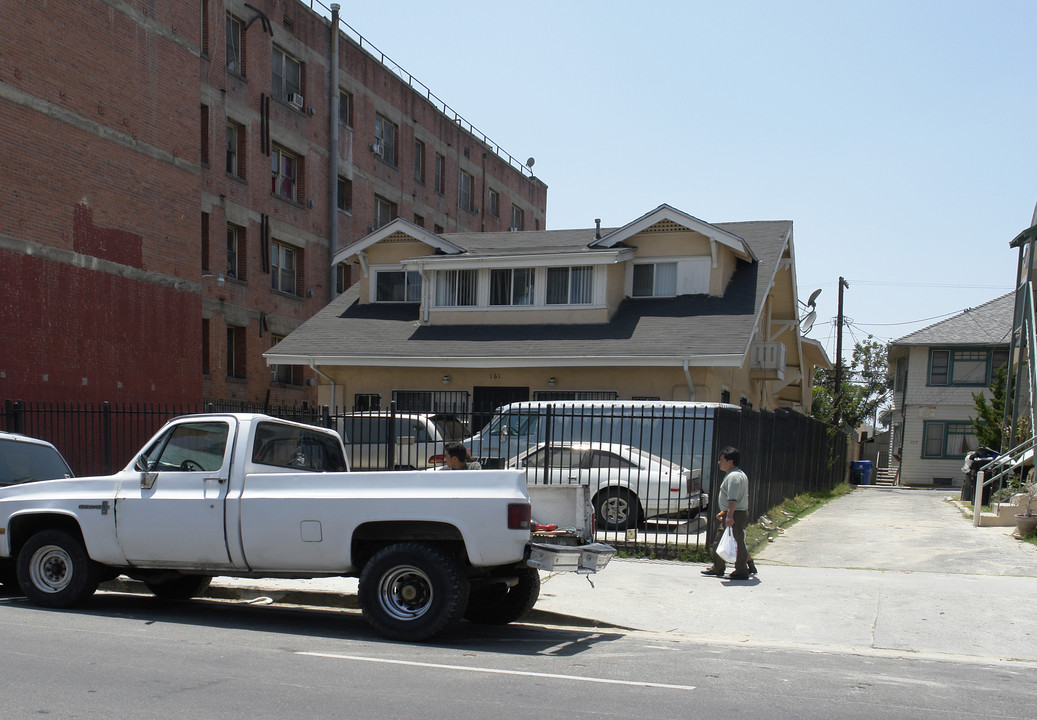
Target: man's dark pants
{"x":742,"y":561}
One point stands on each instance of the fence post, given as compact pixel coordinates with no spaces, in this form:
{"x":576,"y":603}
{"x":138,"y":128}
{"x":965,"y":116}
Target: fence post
{"x":13,"y":412}
{"x":106,"y":436}
{"x":390,"y":438}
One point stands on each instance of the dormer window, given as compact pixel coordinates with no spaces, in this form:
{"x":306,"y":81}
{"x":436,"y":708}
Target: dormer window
{"x":397,"y":286}
{"x":455,"y":288}
{"x":570,"y":285}
{"x":655,"y":280}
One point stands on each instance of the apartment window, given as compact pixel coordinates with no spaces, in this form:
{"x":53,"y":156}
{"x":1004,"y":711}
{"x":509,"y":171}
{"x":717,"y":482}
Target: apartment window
{"x":397,"y":286}
{"x":235,"y":150}
{"x":366,"y":402}
{"x":283,"y":263}
{"x":345,"y":108}
{"x":235,"y":46}
{"x":948,"y":439}
{"x":455,"y":288}
{"x":569,"y":286}
{"x":465,"y":186}
{"x":437,"y":229}
{"x":419,"y":161}
{"x":973,"y":367}
{"x":384,"y":211}
{"x":385,"y":139}
{"x":494,"y":203}
{"x":236,"y":352}
{"x":518,"y":218}
{"x":900,"y":376}
{"x":287,"y":75}
{"x":655,"y":280}
{"x":512,"y":286}
{"x":344,"y":195}
{"x":203,"y":28}
{"x":205,"y":346}
{"x":419,"y":220}
{"x":285,"y":374}
{"x":284,"y":179}
{"x":205,"y":241}
{"x":440,"y":169}
{"x":235,"y":243}
{"x":203,"y":152}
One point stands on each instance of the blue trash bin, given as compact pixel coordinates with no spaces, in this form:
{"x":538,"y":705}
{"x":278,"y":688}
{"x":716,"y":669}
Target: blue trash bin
{"x":860,"y":471}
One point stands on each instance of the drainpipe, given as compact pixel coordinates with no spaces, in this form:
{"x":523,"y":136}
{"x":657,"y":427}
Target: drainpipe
{"x":333,"y":158}
{"x":687,"y":377}
{"x":314,"y":368}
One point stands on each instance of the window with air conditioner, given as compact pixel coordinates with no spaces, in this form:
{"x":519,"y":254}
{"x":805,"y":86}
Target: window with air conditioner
{"x":286,"y":78}
{"x":385,"y":139}
{"x":283,"y":263}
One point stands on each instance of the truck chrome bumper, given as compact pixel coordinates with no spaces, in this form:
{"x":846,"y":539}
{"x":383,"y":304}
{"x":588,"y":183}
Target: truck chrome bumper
{"x":583,"y":559}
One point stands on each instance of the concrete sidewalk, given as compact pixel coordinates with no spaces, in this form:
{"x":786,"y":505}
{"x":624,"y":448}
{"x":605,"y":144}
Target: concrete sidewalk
{"x":884,"y":570}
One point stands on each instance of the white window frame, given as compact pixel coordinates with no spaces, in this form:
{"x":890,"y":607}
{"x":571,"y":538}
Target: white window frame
{"x":692,"y":275}
{"x":233,"y":28}
{"x":280,"y":272}
{"x":411,"y":284}
{"x":456,"y":288}
{"x":419,"y":160}
{"x":465,"y":189}
{"x":569,"y":285}
{"x":515,"y":291}
{"x":279,"y":173}
{"x":658,"y":278}
{"x":385,"y":134}
{"x":384,"y":211}
{"x":234,"y":245}
{"x":518,"y":218}
{"x":284,"y":67}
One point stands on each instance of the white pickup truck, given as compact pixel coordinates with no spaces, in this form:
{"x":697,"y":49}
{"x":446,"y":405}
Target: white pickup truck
{"x":249,"y":495}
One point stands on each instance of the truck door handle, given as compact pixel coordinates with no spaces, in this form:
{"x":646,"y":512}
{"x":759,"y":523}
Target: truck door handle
{"x":217,"y":479}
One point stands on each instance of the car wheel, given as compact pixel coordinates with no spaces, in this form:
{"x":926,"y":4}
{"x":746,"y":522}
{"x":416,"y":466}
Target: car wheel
{"x":183,"y":587}
{"x":412,"y":591}
{"x":617,"y":509}
{"x":55,"y":571}
{"x":493,"y":602}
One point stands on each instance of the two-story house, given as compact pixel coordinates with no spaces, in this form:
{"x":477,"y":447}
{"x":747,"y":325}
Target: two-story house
{"x":936,"y":370}
{"x":664,"y":307}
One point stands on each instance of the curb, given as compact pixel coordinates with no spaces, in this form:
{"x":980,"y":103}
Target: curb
{"x":345,"y":601}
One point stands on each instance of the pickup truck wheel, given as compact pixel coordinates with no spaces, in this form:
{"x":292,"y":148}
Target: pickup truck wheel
{"x":411,"y":591}
{"x":184,"y":587}
{"x":617,"y":509}
{"x":494,"y":603}
{"x":55,"y":571}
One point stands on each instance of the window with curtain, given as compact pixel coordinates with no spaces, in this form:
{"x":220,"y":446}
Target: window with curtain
{"x":455,"y":288}
{"x":655,"y":280}
{"x":397,"y":286}
{"x":570,"y":286}
{"x":511,"y":287}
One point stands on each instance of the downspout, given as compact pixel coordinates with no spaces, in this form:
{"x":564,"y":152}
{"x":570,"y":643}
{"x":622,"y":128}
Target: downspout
{"x":314,"y":368}
{"x":691,"y":385}
{"x":333,"y":158}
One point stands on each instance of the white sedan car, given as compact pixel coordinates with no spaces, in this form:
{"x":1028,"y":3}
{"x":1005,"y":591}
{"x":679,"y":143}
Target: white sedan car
{"x":627,"y":484}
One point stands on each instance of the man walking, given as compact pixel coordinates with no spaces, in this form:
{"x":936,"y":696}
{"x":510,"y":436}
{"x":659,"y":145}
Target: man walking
{"x":733,"y":498}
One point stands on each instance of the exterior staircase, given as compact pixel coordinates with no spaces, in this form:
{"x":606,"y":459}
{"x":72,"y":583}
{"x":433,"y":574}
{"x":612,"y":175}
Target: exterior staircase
{"x":886,"y":476}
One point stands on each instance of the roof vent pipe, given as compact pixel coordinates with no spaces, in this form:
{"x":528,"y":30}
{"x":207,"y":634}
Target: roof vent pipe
{"x":597,"y":228}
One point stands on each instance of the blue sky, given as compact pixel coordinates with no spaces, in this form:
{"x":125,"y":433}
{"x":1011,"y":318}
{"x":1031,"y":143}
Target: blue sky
{"x":899,"y":137}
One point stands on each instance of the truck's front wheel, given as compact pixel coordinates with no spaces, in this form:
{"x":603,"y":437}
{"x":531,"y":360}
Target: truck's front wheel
{"x":55,"y":571}
{"x":411,"y":591}
{"x":499,"y":601}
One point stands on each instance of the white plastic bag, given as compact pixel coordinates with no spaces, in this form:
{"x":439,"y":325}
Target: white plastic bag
{"x":727,"y":549}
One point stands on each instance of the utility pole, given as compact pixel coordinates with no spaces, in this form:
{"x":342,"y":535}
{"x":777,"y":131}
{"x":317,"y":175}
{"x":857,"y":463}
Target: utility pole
{"x":839,"y":355}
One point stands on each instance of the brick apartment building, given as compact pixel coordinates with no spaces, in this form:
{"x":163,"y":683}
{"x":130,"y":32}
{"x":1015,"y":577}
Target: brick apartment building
{"x":160,"y":230}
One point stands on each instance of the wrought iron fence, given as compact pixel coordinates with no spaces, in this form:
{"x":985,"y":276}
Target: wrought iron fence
{"x":650,"y":466}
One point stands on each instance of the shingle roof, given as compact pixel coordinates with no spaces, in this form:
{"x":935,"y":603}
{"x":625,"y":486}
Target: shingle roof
{"x":690,"y":325}
{"x":987,"y":324}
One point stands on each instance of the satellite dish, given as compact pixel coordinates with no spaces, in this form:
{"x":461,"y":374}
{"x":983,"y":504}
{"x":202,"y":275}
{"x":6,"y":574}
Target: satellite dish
{"x":808,"y":321}
{"x":813,"y":297}
{"x":530,"y":162}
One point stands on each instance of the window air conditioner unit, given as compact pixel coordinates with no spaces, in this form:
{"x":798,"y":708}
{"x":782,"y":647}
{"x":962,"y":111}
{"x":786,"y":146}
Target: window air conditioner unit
{"x":377,"y":149}
{"x":512,"y":229}
{"x":295,"y":99}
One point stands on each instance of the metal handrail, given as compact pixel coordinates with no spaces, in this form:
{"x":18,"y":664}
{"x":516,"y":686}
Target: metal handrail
{"x":1000,"y":467}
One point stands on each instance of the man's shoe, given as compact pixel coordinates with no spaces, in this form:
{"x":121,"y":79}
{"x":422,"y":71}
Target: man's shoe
{"x":738,"y":576}
{"x":713,"y":571}
{"x":752,"y":568}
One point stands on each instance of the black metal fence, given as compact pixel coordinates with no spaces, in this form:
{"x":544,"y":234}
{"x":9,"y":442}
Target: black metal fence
{"x":646,"y":463}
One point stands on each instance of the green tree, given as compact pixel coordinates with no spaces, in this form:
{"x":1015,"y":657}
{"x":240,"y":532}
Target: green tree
{"x":865,"y":385}
{"x":989,"y":424}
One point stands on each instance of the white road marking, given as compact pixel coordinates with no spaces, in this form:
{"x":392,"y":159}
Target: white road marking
{"x":497,"y":671}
